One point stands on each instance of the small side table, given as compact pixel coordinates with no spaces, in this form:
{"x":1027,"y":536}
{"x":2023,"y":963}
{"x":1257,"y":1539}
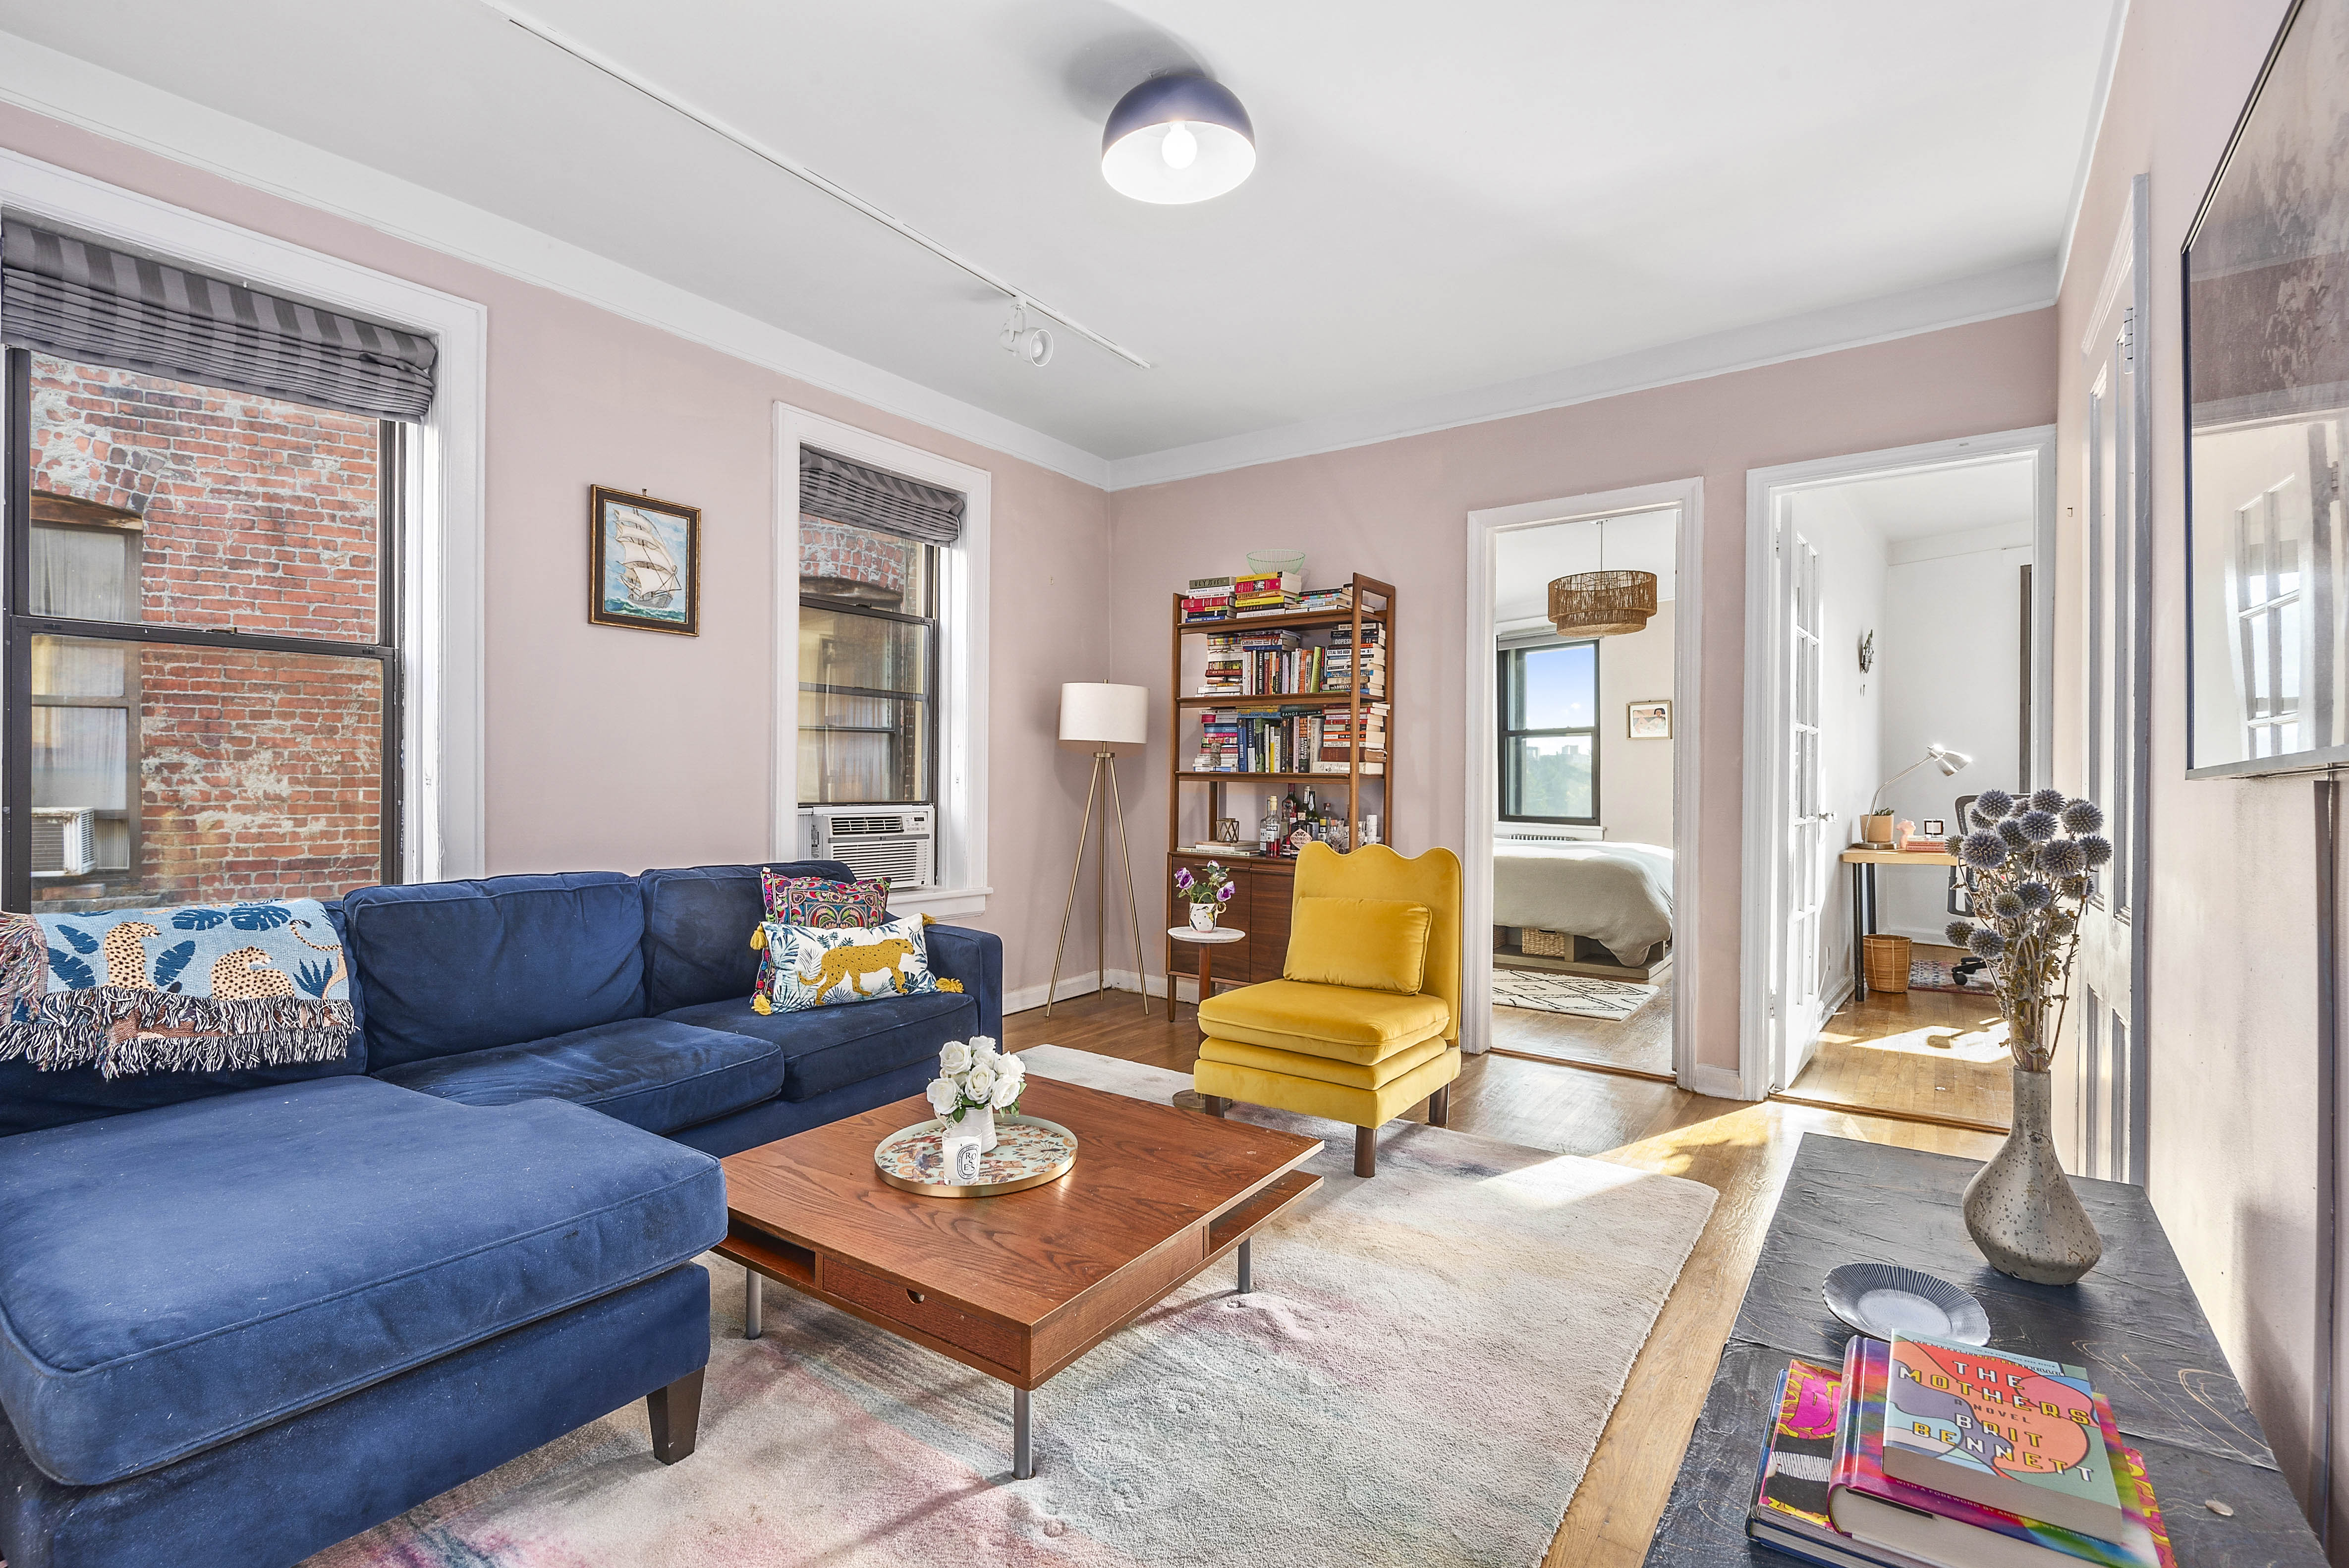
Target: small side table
{"x":1207,"y":942}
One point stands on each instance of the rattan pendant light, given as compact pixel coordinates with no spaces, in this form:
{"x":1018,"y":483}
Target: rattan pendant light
{"x":1602,"y":603}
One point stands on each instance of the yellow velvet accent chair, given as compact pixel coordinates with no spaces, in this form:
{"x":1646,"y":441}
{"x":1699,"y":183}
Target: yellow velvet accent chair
{"x":1363,"y":1052}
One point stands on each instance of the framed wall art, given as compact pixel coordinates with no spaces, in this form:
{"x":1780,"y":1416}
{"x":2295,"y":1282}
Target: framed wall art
{"x":644,"y":562}
{"x":2267,"y":400}
{"x":1651,"y":720}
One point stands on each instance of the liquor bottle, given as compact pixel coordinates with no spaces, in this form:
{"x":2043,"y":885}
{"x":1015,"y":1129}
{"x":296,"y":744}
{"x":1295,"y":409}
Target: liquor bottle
{"x":1269,"y":832}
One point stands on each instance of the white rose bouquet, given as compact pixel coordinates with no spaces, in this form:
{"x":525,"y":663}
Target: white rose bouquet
{"x":974,"y":1076}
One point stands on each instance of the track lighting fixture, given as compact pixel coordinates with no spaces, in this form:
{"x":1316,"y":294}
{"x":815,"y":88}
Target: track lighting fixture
{"x":1033,"y":344}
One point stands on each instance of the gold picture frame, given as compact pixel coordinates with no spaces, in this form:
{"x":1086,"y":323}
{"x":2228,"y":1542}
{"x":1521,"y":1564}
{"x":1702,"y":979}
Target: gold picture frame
{"x":644,"y":562}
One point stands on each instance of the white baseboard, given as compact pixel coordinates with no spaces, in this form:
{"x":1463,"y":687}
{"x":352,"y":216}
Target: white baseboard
{"x":1720,"y":1083}
{"x":1028,"y":996}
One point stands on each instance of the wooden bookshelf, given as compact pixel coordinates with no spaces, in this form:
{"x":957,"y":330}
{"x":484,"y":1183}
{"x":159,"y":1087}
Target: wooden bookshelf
{"x":1263,"y":885}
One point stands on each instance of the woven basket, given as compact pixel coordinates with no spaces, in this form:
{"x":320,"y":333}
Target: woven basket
{"x":1602,"y":603}
{"x":1540,"y":943}
{"x":1887,"y":961}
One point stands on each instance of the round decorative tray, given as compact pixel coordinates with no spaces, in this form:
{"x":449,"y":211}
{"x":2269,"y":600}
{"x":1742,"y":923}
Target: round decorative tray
{"x":1886,"y":1300}
{"x":1029,"y":1152}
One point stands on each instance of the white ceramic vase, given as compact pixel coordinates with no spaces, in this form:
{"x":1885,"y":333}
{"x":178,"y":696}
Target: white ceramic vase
{"x":1202,"y":917}
{"x":980,"y":1121}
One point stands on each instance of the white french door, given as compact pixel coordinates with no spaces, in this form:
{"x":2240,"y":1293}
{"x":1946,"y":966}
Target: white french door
{"x":2109,"y":981}
{"x":1801,"y":1004}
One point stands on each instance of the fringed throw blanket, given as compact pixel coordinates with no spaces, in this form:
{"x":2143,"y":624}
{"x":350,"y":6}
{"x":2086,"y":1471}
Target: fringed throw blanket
{"x":196,"y":988}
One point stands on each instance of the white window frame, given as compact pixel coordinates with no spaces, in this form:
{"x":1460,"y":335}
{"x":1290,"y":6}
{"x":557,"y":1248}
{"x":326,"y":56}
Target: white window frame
{"x":444,"y":830}
{"x":961,"y":591}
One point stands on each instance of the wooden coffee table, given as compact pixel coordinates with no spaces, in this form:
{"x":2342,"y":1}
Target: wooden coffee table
{"x":1019,"y":1286}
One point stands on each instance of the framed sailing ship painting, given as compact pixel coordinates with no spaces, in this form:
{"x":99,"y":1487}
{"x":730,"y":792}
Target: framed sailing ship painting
{"x":2267,"y":404}
{"x":644,"y":562}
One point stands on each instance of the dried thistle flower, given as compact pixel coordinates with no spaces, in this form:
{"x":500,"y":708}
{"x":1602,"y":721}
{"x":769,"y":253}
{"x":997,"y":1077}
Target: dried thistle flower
{"x":2035,"y":894}
{"x":2064,"y":858}
{"x":2049,"y":801}
{"x":2007,"y":905}
{"x":1985,"y":850}
{"x":2038,"y":826}
{"x":2011,"y":830}
{"x":2073,"y":887}
{"x":1993,"y":804}
{"x":2084,"y":817}
{"x":2098,"y":848}
{"x":1959,"y":931}
{"x":1985,"y":943}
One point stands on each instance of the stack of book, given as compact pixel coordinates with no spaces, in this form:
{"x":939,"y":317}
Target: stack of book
{"x":1208,"y":599}
{"x":1273,"y":595}
{"x":1338,"y":669}
{"x":1269,"y":738}
{"x":1313,"y":601}
{"x":1336,"y":751}
{"x":1922,"y":1453}
{"x":1260,"y":663}
{"x":1227,"y":674}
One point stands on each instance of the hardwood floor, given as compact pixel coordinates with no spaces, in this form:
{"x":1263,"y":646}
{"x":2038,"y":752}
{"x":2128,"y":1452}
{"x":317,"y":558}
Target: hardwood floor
{"x":1642,"y":1042}
{"x":1741,"y":1151}
{"x":1916,"y":1053}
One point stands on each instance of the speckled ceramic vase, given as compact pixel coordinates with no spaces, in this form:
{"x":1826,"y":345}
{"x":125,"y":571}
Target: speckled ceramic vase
{"x":2020,"y":1207}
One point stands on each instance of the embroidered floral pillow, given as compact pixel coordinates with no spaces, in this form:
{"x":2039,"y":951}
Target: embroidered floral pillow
{"x":818,"y":902}
{"x":818,"y":966}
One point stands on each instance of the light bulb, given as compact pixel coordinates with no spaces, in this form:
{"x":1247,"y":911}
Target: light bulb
{"x":1180,"y":147}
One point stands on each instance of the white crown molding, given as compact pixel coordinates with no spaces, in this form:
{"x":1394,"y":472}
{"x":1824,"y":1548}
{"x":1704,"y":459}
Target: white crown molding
{"x":122,"y":108}
{"x":1985,"y":296}
{"x":2105,"y":70}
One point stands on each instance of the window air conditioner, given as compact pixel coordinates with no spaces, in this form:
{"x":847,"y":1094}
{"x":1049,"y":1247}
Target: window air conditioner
{"x":65,"y":841}
{"x":899,"y":842}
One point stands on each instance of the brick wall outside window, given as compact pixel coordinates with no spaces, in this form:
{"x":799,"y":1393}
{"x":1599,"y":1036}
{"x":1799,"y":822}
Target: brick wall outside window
{"x":260,"y":773}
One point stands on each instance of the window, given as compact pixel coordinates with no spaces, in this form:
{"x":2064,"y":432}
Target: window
{"x":868,"y":666}
{"x":202,"y":675}
{"x":1549,"y":734}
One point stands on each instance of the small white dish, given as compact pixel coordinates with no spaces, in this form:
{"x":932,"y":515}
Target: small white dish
{"x":1886,"y":1300}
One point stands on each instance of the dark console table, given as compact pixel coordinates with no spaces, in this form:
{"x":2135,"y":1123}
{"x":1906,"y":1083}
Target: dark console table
{"x":2132,"y":1323}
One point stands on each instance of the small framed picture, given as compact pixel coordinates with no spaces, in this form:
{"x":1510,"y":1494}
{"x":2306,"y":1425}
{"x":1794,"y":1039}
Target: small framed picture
{"x":644,"y":562}
{"x":1933,"y":828}
{"x":1653,"y":720}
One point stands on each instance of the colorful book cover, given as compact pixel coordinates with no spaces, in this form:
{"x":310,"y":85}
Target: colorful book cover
{"x":2003,"y":1430}
{"x":1802,"y":1444}
{"x":1858,"y":1465}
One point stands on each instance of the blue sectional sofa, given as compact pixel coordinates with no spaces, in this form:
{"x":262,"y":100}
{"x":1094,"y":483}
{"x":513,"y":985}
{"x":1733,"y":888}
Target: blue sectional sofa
{"x":244,"y":1315}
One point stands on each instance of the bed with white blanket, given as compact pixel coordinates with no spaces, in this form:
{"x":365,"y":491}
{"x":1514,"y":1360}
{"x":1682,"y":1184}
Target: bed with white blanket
{"x":1618,"y":896}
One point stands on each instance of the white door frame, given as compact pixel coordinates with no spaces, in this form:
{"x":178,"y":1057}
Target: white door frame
{"x":1484,"y":528}
{"x":1764,"y":689}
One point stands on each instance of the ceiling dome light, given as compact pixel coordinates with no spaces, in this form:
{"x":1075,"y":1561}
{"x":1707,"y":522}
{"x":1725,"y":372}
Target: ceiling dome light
{"x":1177,"y":138}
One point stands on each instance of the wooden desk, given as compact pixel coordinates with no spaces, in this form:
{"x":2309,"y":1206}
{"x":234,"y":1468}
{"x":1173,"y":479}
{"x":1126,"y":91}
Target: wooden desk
{"x":2132,"y":1323}
{"x":1863,"y":864}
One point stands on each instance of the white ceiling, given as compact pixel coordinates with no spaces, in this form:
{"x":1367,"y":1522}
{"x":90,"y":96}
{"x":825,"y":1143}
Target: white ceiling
{"x":1447,"y":200}
{"x":1938,"y":500}
{"x":1526,"y":558}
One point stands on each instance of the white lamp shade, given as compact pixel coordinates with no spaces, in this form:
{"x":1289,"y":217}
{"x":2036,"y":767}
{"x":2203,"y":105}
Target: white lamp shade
{"x":1096,"y":714}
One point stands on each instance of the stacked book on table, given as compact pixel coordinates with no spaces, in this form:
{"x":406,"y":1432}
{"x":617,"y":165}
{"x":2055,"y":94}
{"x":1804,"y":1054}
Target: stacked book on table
{"x":1922,"y":1453}
{"x":1208,"y":599}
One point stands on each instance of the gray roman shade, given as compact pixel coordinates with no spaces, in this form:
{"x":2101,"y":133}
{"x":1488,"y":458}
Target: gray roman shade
{"x":838,"y":490}
{"x":82,"y":301}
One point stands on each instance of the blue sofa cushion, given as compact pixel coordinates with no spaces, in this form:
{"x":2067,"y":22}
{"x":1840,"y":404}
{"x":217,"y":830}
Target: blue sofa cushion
{"x":648,"y":1072}
{"x":174,"y":1278}
{"x":698,"y":926}
{"x":455,"y":966}
{"x":832,"y":1047}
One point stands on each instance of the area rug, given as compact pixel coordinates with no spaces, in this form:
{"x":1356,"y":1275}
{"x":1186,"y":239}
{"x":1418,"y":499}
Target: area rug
{"x":1931,"y":974}
{"x":1419,"y":1377}
{"x":1584,"y":995}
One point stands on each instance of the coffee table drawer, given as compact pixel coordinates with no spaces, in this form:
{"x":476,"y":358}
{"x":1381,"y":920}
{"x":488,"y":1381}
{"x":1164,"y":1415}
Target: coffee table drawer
{"x":990,"y":1338}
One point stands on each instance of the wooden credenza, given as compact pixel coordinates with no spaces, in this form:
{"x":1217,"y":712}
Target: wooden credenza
{"x":1259,"y":906}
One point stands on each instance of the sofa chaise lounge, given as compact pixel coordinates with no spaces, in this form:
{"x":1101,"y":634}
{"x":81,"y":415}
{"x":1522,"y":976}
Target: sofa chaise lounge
{"x":246,"y":1314}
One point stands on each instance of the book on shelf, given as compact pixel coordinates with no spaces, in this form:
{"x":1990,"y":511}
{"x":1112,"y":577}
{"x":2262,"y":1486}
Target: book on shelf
{"x":2001,"y":1429}
{"x":1848,"y":1512}
{"x":1210,"y":584}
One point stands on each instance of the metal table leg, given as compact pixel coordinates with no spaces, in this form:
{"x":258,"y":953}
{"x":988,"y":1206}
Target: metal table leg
{"x":1023,"y":1445}
{"x":1858,"y":930}
{"x":1247,"y":1270}
{"x":754,"y":1303}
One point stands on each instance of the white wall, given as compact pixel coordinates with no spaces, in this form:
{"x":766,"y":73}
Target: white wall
{"x":1949,"y":659}
{"x":1851,"y":705}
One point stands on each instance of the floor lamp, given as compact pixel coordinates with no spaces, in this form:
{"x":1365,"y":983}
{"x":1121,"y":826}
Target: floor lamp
{"x":1104,"y":720}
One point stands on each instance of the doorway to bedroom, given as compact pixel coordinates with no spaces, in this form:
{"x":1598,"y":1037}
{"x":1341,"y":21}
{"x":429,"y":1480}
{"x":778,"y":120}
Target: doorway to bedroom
{"x":1577,"y":804}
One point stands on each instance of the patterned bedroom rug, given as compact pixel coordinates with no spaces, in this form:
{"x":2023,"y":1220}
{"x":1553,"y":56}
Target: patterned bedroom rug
{"x":1419,"y":1377}
{"x":1929,"y":974}
{"x":1584,"y":995}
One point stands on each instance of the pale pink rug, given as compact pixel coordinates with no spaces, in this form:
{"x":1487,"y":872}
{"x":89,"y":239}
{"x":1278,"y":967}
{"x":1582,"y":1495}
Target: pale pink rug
{"x":1420,"y":1378}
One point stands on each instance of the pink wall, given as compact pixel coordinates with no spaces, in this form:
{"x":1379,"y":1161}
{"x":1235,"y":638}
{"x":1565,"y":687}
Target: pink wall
{"x":625,"y":749}
{"x":1398,"y":511}
{"x":2231,"y":1017}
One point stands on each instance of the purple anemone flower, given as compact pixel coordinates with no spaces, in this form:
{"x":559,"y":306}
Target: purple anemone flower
{"x":1182,"y":878}
{"x":1223,"y":894}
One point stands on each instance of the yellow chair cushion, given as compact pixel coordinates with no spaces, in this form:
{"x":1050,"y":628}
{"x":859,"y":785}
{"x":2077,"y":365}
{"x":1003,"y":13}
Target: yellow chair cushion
{"x":1367,"y":943}
{"x":1339,"y":1021}
{"x":1316,"y":1097}
{"x":1359,"y":1075}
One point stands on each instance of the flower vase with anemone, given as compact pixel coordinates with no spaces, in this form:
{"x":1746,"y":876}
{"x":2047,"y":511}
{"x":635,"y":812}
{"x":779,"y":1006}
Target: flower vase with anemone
{"x":2032,"y":862}
{"x":974,"y":1080}
{"x":1207,"y":893}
